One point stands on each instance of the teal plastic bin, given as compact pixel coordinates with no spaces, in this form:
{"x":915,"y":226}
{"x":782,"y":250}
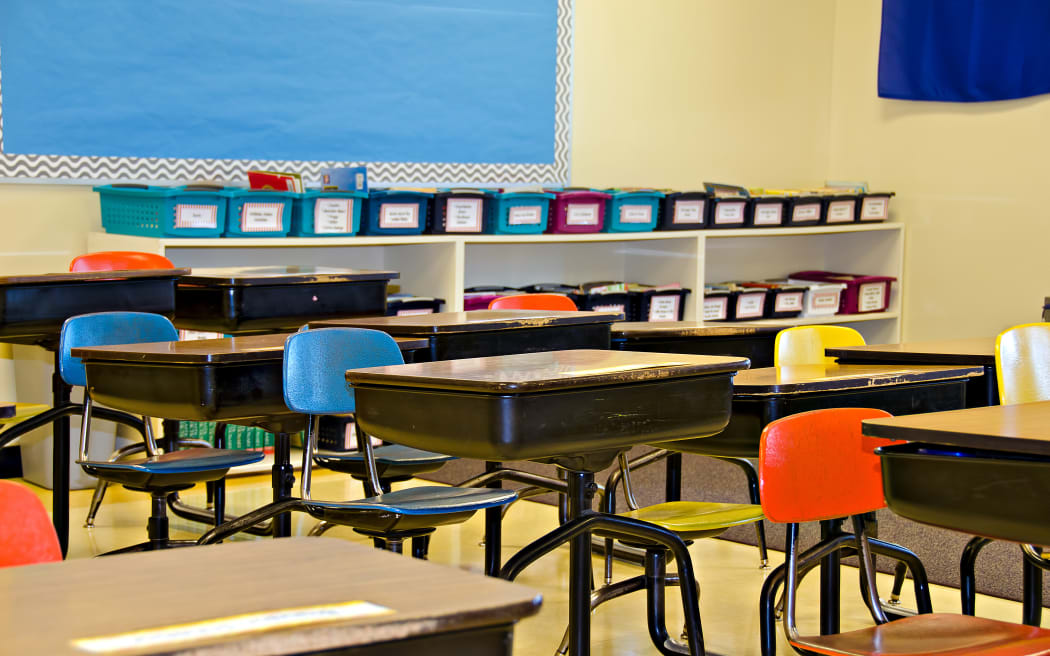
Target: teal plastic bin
{"x":520,"y":212}
{"x":153,"y":211}
{"x":259,"y":213}
{"x":318,"y":213}
{"x":632,"y":211}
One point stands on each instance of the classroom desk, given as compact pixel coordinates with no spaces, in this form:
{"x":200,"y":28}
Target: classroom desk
{"x":422,"y":608}
{"x":752,"y":342}
{"x":32,"y":310}
{"x":979,"y":352}
{"x":480,"y":333}
{"x":579,"y":409}
{"x":243,"y":300}
{"x":237,"y":380}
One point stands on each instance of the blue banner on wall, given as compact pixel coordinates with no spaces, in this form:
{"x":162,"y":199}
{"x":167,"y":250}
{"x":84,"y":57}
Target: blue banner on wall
{"x":964,"y":50}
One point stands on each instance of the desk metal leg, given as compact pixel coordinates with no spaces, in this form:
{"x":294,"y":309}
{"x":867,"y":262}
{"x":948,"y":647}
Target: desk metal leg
{"x":1032,"y":609}
{"x":493,"y":528}
{"x":283,"y":480}
{"x":60,"y":460}
{"x":829,"y":581}
{"x":580,"y":498}
{"x":673,"y":486}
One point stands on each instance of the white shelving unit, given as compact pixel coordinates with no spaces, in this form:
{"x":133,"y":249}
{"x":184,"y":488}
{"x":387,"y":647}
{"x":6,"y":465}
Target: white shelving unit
{"x":443,"y":265}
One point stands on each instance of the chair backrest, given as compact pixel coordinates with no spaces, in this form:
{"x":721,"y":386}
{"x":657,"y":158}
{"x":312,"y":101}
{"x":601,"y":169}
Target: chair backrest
{"x":806,"y":344}
{"x":533,"y":302}
{"x":817,"y":465}
{"x":119,"y":261}
{"x":1022,"y":364}
{"x":106,"y":328}
{"x":27,"y":536}
{"x":315,"y":364}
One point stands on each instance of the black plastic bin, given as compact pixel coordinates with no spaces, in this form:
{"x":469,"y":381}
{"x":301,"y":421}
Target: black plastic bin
{"x":658,"y":304}
{"x":804,"y":210}
{"x":767,"y":211}
{"x":399,"y":305}
{"x":459,"y":211}
{"x":684,"y":210}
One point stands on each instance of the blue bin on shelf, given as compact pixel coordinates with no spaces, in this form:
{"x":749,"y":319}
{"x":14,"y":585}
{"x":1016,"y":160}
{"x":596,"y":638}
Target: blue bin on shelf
{"x":395,"y":212}
{"x":632,"y":211}
{"x":318,"y":213}
{"x":520,"y":212}
{"x":259,"y":213}
{"x":153,"y":211}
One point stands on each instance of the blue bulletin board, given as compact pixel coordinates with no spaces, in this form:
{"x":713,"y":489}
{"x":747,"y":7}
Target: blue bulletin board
{"x":417,"y":90}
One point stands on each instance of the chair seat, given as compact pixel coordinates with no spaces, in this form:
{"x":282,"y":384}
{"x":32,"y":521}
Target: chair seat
{"x":194,"y":465}
{"x":697,"y":519}
{"x":411,"y":508}
{"x":935,"y":634}
{"x":393,"y":461}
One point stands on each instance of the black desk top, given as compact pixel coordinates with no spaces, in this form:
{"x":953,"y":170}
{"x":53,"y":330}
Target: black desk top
{"x":975,"y":351}
{"x":473,"y":321}
{"x":282,"y":275}
{"x":90,"y":276}
{"x":673,"y":329}
{"x":804,"y":379}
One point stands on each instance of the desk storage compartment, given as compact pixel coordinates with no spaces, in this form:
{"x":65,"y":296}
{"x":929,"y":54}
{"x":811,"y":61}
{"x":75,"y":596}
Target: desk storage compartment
{"x":401,"y":305}
{"x":840,"y":208}
{"x":151,"y":211}
{"x":998,"y":495}
{"x":783,"y":300}
{"x":478,"y":298}
{"x":520,"y":212}
{"x":632,"y":211}
{"x":459,"y":211}
{"x":576,"y":211}
{"x":804,"y":210}
{"x":683,"y":210}
{"x":874,"y":207}
{"x":395,"y":212}
{"x":716,"y":304}
{"x":258,"y":213}
{"x":862,"y":293}
{"x":768,"y":211}
{"x":658,"y":304}
{"x":729,"y":212}
{"x":317,"y":213}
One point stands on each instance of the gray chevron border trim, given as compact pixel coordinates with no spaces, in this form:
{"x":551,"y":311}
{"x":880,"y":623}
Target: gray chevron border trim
{"x":92,"y":169}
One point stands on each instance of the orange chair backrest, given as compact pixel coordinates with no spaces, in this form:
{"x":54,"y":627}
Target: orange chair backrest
{"x":817,"y":465}
{"x":533,"y":302}
{"x":26,"y":533}
{"x":1022,"y":364}
{"x":806,"y":344}
{"x":119,"y":261}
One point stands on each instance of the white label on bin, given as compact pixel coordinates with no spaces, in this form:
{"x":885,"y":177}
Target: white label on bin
{"x":664,"y":308}
{"x":715,"y":308}
{"x":608,"y":308}
{"x":749,"y":306}
{"x":810,"y":212}
{"x":875,"y":209}
{"x":333,"y":215}
{"x":636,"y":213}
{"x":768,"y":213}
{"x":688,"y":211}
{"x":872,"y":297}
{"x":399,"y":215}
{"x":261,"y":217}
{"x":196,"y":216}
{"x":463,"y":215}
{"x":729,"y":212}
{"x":578,"y":214}
{"x":841,"y":211}
{"x":788,"y":302}
{"x":525,"y":215}
{"x":824,"y":300}
{"x":405,"y":313}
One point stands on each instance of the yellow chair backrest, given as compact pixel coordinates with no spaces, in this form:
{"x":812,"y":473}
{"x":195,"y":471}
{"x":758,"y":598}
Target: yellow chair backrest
{"x":1022,"y":363}
{"x":806,"y":344}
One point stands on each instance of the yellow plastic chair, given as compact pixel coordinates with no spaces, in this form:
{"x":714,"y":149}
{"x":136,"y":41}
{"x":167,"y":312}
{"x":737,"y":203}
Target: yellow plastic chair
{"x":1022,"y":364}
{"x":806,"y":344}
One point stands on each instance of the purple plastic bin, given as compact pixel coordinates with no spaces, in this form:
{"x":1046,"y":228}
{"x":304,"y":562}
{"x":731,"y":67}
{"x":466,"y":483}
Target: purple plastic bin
{"x":577,"y":211}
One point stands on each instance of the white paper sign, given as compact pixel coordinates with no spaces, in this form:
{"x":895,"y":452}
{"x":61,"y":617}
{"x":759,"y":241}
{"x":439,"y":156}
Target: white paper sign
{"x":768,"y":213}
{"x":715,"y":308}
{"x":810,"y":212}
{"x":636,"y":213}
{"x":788,"y":302}
{"x":608,"y":308}
{"x":663,"y":308}
{"x":749,"y":306}
{"x":729,"y":212}
{"x":261,"y":217}
{"x":872,"y":297}
{"x":874,"y":209}
{"x":688,"y":211}
{"x":841,"y":211}
{"x":196,"y":216}
{"x":578,"y":214}
{"x":463,"y":215}
{"x":406,"y":313}
{"x":333,"y":215}
{"x":824,"y":300}
{"x":525,"y":215}
{"x":399,"y":215}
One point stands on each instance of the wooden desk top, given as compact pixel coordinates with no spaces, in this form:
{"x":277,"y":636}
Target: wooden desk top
{"x":672,"y":329}
{"x":804,"y":379}
{"x":86,"y":276}
{"x":473,"y":321}
{"x":550,"y":370}
{"x":283,"y":275}
{"x":976,"y":351}
{"x":253,"y":348}
{"x":54,"y":604}
{"x":1023,"y":428}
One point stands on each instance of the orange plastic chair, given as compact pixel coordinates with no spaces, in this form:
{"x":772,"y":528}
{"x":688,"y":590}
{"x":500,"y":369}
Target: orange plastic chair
{"x":533,"y":302}
{"x":1022,"y":355}
{"x":806,"y":344}
{"x":119,"y":261}
{"x":26,"y":536}
{"x":817,"y":465}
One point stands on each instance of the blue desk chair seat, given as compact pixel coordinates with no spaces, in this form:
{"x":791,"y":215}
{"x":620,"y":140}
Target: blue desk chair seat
{"x":159,"y":474}
{"x":394,"y":463}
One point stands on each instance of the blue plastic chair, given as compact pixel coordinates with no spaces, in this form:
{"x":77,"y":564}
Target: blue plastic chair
{"x":160,"y":474}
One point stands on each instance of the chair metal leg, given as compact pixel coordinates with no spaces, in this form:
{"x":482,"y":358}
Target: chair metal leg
{"x":752,"y":490}
{"x":968,"y":575}
{"x":321,"y":528}
{"x":96,"y":502}
{"x":421,"y":547}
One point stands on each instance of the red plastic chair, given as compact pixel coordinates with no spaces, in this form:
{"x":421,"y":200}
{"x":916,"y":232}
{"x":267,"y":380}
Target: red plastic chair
{"x":26,"y":533}
{"x":119,"y":261}
{"x":817,"y":466}
{"x":533,"y":302}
